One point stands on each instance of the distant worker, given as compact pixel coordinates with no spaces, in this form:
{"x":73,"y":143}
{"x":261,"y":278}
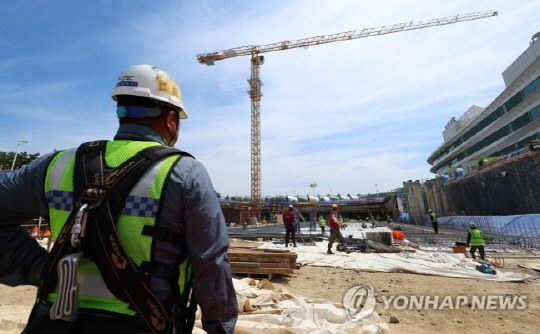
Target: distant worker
{"x":459,"y":174}
{"x":297,"y":217}
{"x":322,"y":224}
{"x":476,"y":240}
{"x":434,"y":221}
{"x":288,"y":221}
{"x":335,"y":233}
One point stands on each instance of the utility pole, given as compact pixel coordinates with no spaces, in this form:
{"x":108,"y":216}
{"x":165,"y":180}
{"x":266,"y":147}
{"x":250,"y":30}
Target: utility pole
{"x":16,"y":152}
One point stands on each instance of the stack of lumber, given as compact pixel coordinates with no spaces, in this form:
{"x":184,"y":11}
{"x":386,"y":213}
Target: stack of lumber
{"x":261,"y":261}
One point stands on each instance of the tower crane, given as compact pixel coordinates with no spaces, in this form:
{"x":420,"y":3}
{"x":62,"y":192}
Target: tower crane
{"x":255,"y":83}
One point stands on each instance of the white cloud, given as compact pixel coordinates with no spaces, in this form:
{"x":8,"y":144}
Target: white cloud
{"x":347,"y":115}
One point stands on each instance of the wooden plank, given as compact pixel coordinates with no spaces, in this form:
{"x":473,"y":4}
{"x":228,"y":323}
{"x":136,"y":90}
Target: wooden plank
{"x":275,"y":265}
{"x":262,"y":254}
{"x":292,"y":261}
{"x":245,"y":264}
{"x":261,"y":258}
{"x":253,"y":259}
{"x":269,"y":276}
{"x":244,"y":246}
{"x":246,"y":270}
{"x":274,"y":250}
{"x":237,"y":270}
{"x":262,"y":261}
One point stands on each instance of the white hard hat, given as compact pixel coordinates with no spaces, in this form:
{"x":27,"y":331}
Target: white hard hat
{"x":151,"y":82}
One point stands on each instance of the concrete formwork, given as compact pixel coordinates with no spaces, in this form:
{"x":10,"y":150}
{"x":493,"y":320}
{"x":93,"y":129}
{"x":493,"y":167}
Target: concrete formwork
{"x":505,"y":189}
{"x":416,"y":201}
{"x":508,"y":188}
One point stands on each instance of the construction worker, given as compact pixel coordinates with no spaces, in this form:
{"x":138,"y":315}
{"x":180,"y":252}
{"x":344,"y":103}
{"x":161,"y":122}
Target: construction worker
{"x":335,"y":233}
{"x":158,"y":215}
{"x":476,"y":240}
{"x":434,"y":221}
{"x":288,"y":222}
{"x":322,"y":224}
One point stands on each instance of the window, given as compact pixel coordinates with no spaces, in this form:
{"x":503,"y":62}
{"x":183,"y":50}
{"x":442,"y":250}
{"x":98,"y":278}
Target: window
{"x":531,"y":88}
{"x":514,"y":101}
{"x":518,"y":123}
{"x":521,"y":121}
{"x":535,"y":113}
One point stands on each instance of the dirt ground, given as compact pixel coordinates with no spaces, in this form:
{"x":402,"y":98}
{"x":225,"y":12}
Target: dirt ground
{"x":332,"y":283}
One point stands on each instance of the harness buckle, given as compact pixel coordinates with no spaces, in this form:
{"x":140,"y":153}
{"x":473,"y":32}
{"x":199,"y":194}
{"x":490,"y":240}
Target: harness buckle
{"x":94,"y":196}
{"x":77,"y":231}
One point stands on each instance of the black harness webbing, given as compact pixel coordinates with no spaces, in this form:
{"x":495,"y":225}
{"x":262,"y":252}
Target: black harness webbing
{"x":105,"y":192}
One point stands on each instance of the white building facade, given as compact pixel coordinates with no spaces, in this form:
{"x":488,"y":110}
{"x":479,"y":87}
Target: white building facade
{"x":506,"y":125}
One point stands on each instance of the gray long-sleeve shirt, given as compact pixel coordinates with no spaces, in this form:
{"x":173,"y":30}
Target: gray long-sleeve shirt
{"x":189,"y":207}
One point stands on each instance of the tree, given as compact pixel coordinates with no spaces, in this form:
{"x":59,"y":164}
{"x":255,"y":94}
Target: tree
{"x":23,"y":158}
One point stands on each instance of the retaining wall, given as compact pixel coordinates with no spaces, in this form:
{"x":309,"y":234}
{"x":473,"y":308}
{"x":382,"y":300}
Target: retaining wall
{"x":511,"y":187}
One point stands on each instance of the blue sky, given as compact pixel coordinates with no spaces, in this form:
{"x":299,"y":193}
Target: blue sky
{"x":354,"y":117}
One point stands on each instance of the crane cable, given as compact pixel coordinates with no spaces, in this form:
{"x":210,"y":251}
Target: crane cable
{"x":308,"y":115}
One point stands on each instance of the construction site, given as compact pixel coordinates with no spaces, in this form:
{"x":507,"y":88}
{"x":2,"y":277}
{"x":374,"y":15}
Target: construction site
{"x":392,"y":233}
{"x":419,"y":197}
{"x":397,"y":260}
{"x":390,"y":260}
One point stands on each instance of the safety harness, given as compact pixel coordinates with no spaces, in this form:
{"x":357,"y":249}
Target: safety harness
{"x":101,"y":193}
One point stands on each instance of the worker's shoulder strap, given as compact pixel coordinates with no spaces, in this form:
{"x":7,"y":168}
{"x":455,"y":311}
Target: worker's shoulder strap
{"x":90,"y":170}
{"x":90,"y":166}
{"x":105,"y":191}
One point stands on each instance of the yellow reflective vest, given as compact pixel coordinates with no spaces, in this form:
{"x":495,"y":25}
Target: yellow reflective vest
{"x":140,"y":209}
{"x":477,"y":238}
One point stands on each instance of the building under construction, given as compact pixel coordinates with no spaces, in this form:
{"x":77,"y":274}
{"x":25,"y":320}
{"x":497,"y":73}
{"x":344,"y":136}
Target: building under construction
{"x":383,"y":207}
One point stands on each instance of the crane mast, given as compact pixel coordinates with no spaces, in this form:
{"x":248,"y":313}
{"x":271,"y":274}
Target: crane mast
{"x":255,"y":83}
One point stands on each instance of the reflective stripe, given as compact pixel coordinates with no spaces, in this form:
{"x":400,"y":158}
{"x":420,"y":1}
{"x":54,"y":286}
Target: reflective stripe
{"x":139,"y":202}
{"x":144,"y":186}
{"x":59,"y":190}
{"x":93,"y":285}
{"x":141,"y":207}
{"x":59,"y":167}
{"x":60,"y":200}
